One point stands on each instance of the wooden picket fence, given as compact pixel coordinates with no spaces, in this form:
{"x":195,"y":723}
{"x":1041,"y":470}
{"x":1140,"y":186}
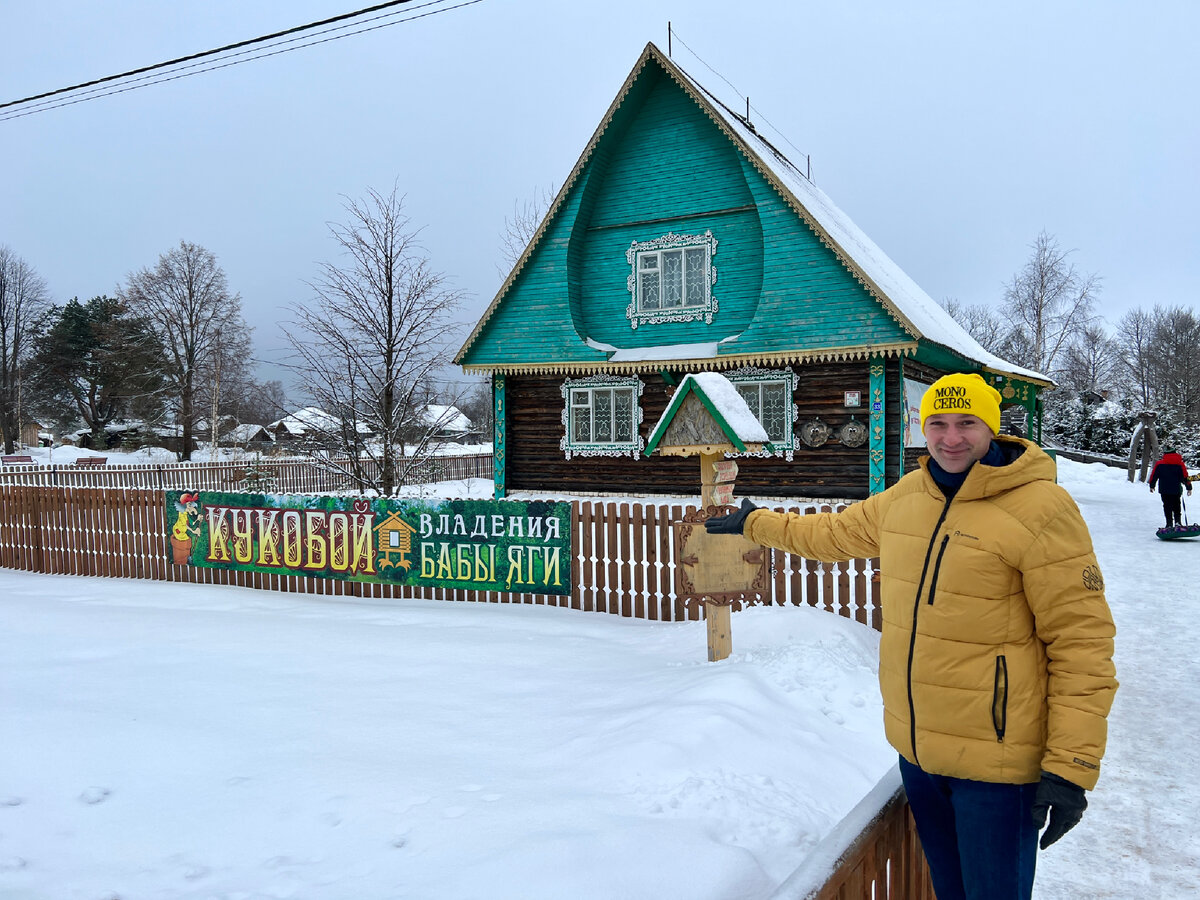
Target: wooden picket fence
{"x":268,"y":474}
{"x":623,"y":563}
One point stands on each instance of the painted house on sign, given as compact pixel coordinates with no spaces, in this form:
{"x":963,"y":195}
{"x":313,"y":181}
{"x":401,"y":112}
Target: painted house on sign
{"x":683,"y":241}
{"x":394,"y":538}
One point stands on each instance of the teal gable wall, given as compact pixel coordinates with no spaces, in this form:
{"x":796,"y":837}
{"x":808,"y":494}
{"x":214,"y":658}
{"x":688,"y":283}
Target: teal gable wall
{"x":809,"y":299}
{"x":663,"y":165}
{"x":670,"y":170}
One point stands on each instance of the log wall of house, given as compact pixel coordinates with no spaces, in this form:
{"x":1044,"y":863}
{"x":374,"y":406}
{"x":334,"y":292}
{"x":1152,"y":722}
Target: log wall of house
{"x":535,"y":461}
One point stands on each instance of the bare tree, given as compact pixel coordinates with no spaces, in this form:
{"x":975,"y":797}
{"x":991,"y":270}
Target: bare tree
{"x":257,"y":402}
{"x":187,"y":300}
{"x":369,"y":343}
{"x":1092,"y":361}
{"x":981,"y":322}
{"x":1135,"y":335}
{"x":478,"y":406}
{"x":1175,"y":363}
{"x":1049,"y":304}
{"x":520,"y":228}
{"x":24,"y":299}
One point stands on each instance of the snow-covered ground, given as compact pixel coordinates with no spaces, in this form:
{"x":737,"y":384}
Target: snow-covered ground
{"x":188,"y":741}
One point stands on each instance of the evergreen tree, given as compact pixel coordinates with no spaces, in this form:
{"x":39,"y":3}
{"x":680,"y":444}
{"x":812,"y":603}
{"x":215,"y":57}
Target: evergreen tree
{"x":96,"y":362}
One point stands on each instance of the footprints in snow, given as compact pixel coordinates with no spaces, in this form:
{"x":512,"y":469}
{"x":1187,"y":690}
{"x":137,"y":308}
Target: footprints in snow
{"x":94,"y":795}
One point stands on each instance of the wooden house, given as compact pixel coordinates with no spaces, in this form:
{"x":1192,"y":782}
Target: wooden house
{"x":247,"y":436}
{"x":684,"y":241}
{"x":34,"y":434}
{"x":447,"y":423}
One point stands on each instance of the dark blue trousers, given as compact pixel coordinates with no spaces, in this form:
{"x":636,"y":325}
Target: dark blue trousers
{"x":978,"y":836}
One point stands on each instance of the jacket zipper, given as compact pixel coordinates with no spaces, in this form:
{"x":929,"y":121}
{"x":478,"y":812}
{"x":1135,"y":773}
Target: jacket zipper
{"x":912,"y":638}
{"x":1000,"y":699}
{"x":937,"y":568}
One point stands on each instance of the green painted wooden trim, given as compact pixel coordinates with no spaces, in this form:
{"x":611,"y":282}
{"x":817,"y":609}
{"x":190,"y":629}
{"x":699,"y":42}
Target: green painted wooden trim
{"x":691,"y":386}
{"x":499,"y":433}
{"x":903,"y":410}
{"x":878,"y":431}
{"x":1026,"y":394}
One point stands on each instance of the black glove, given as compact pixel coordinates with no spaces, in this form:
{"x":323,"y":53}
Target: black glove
{"x":1064,"y":800}
{"x":734,"y":523}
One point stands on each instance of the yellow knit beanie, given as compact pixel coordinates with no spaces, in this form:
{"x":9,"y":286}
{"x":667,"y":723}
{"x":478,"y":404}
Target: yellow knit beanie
{"x":965,"y":394}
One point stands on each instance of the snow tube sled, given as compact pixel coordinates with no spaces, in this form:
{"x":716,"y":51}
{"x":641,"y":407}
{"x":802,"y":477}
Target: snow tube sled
{"x":1178,"y":532}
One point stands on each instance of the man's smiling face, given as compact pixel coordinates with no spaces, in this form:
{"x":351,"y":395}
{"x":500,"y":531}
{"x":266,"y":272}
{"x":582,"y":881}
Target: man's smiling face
{"x":956,"y":440}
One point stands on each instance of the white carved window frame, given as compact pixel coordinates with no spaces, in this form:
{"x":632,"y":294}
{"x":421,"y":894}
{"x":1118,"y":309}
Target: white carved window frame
{"x":582,"y":393}
{"x":648,"y":257}
{"x":753,"y":375}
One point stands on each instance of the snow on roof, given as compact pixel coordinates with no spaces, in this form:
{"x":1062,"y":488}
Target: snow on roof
{"x":446,"y":418}
{"x":119,"y":427}
{"x":245,"y":432}
{"x":922,"y":313}
{"x":706,"y":350}
{"x":730,"y":404}
{"x":311,"y":418}
{"x":301,"y":420}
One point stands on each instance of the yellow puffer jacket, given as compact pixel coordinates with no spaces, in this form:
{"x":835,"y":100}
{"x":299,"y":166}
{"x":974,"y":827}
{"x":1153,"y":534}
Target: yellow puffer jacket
{"x":996,"y":655}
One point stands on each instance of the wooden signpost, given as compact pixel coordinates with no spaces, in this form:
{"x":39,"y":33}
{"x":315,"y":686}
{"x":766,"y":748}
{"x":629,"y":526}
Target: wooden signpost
{"x":712,"y":569}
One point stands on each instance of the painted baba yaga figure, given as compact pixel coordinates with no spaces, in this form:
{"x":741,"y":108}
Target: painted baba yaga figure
{"x":1171,"y":476}
{"x":187,"y":509}
{"x":996,"y":655}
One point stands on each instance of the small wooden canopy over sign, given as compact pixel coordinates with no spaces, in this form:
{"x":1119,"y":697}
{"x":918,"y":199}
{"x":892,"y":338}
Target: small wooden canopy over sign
{"x":706,"y":416}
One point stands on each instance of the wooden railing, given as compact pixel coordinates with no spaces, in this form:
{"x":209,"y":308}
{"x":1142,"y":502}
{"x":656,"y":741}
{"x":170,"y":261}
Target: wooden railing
{"x":872,"y":854}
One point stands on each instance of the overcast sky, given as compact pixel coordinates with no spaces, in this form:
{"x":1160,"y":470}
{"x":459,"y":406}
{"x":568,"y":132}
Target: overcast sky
{"x":952,"y":133}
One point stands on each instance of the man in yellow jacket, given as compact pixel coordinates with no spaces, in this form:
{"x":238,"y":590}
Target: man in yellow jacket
{"x":996,"y":656}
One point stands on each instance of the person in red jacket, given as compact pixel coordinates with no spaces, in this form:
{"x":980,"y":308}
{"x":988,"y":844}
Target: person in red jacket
{"x":1171,"y":476}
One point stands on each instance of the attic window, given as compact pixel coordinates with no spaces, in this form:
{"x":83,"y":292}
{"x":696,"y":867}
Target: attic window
{"x":671,"y":279}
{"x":602,"y":416}
{"x":768,"y":393}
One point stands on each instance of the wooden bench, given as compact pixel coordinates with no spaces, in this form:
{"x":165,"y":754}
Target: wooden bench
{"x":15,"y":460}
{"x":90,"y":461}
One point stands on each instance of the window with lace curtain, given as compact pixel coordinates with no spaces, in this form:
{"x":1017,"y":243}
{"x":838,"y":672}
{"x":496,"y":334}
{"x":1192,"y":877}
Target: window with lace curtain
{"x":768,"y":393}
{"x":601,"y":417}
{"x":672,"y":278}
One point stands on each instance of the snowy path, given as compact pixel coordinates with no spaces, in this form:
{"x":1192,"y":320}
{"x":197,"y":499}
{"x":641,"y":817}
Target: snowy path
{"x":1139,"y":838}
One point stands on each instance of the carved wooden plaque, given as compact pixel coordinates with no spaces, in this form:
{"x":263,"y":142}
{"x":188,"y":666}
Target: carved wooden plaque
{"x":720,"y":568}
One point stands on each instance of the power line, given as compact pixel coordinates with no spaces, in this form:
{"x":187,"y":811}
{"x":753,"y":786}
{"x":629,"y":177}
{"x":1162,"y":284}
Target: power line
{"x":749,"y":105}
{"x":116,"y":84}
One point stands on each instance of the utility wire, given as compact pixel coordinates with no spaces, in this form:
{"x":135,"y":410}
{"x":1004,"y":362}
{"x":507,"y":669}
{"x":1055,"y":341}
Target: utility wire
{"x":749,"y":105}
{"x":246,"y":43}
{"x":116,"y":84}
{"x":79,"y":94}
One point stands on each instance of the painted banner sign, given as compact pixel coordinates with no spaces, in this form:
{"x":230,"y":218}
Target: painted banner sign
{"x":485,"y":545}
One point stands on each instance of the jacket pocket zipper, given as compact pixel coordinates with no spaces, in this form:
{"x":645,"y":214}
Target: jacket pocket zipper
{"x":937,"y":568}
{"x":1000,"y":698}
